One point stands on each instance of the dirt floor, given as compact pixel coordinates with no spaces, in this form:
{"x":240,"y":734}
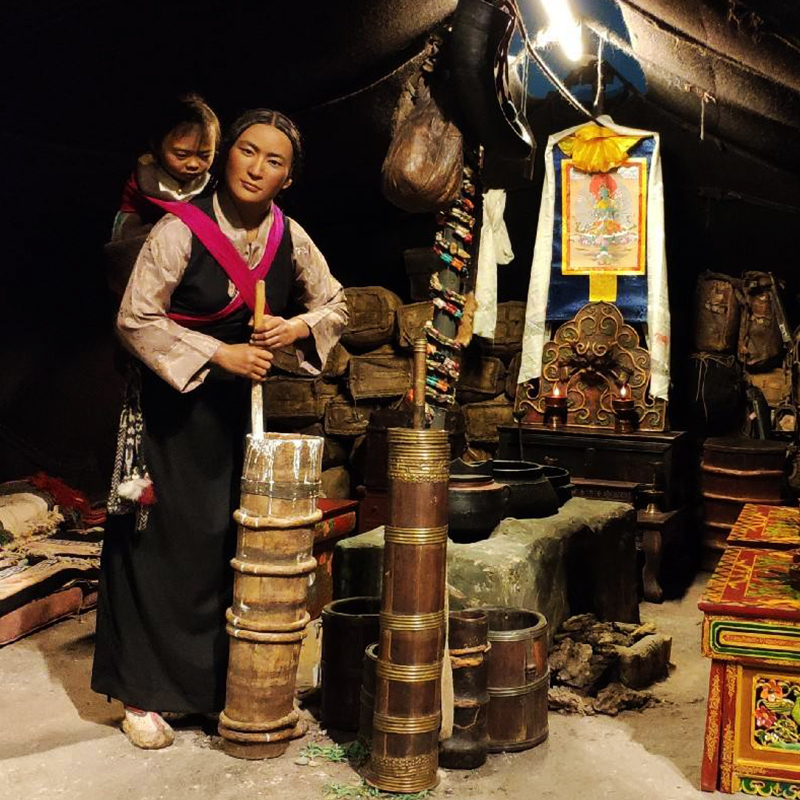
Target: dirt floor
{"x":60,"y":740}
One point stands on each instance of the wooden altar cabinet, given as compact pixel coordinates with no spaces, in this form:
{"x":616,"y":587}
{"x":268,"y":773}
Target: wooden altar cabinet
{"x":606,"y":465}
{"x":751,"y":633}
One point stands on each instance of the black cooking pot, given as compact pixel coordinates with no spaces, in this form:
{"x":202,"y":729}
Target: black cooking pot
{"x":532,"y":494}
{"x":560,"y":481}
{"x":565,"y":492}
{"x":476,"y":503}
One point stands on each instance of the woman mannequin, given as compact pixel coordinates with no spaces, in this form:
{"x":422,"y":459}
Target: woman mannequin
{"x":161,"y":642}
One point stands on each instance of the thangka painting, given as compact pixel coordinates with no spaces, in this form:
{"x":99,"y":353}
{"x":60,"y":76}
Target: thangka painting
{"x":604,"y":221}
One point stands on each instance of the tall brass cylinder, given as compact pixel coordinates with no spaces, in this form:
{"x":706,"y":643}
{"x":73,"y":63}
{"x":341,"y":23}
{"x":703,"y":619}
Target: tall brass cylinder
{"x":267,"y":620}
{"x":407,"y":713}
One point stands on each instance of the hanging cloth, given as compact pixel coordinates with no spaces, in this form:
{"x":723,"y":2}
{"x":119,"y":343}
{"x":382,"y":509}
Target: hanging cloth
{"x":560,"y":284}
{"x":495,"y":248}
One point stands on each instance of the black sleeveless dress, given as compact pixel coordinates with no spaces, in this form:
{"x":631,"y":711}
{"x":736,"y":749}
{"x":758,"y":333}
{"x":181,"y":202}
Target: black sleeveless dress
{"x":161,"y":642}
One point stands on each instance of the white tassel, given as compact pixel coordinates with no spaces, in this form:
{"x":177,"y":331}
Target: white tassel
{"x":133,"y":488}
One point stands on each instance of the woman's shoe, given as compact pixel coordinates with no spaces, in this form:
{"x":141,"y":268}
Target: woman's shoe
{"x":147,"y":729}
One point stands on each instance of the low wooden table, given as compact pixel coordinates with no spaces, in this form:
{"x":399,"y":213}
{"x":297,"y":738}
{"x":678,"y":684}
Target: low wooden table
{"x":751,"y":633}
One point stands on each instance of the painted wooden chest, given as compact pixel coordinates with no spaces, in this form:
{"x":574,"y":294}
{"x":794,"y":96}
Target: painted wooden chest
{"x":777,"y":527}
{"x":752,"y":636}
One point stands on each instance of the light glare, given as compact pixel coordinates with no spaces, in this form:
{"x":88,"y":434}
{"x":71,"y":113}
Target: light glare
{"x":563,"y":28}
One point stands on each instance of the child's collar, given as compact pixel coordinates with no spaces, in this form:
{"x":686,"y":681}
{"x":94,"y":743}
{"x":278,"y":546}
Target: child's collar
{"x":154,"y":181}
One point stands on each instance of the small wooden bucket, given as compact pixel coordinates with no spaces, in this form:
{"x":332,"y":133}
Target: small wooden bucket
{"x":518,"y":679}
{"x":348,"y":626}
{"x":737,"y":471}
{"x":469,"y":656}
{"x":367,"y":695}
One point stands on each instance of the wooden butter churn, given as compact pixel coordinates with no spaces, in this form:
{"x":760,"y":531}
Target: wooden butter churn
{"x":407,"y":713}
{"x":268,"y":617}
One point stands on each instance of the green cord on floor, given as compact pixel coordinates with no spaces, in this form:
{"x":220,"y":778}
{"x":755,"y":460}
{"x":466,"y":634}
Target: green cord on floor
{"x":363,"y":791}
{"x":354,"y":752}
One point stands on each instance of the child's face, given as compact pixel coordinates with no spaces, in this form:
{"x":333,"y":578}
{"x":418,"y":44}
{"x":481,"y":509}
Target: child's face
{"x":258,"y":165}
{"x":187,"y":152}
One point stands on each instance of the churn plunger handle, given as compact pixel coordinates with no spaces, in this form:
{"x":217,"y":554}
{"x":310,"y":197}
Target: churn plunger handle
{"x":420,"y":352}
{"x":257,"y":388}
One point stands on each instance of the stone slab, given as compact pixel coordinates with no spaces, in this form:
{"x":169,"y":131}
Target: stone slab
{"x":582,"y":559}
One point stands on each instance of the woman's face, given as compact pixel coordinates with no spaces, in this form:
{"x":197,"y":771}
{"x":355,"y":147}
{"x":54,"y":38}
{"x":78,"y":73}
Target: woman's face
{"x":187,"y":152}
{"x":258,"y":165}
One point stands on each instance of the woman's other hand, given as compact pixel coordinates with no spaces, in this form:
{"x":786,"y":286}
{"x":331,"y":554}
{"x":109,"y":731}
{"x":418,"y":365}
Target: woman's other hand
{"x":244,"y":360}
{"x":275,"y":332}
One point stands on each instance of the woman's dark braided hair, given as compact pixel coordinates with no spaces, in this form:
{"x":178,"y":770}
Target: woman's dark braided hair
{"x":262,"y":116}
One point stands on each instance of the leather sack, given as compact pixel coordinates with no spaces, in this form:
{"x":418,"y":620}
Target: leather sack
{"x":775,"y":384}
{"x":285,"y":360}
{"x":760,"y":342}
{"x":716,"y":392}
{"x":482,"y":419}
{"x":481,"y":378}
{"x":382,"y":373}
{"x":411,"y":319}
{"x":300,"y":401}
{"x":507,"y":339}
{"x":420,"y":264}
{"x":372,"y":312}
{"x":423,"y":169}
{"x":344,"y":418}
{"x":717,"y":313}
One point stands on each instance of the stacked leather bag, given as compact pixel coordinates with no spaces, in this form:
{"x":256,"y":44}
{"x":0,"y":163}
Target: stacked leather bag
{"x":365,"y":371}
{"x":742,"y":358}
{"x":488,"y":384}
{"x":747,"y":368}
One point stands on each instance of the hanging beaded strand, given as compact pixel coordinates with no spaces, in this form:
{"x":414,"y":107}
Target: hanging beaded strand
{"x":453,"y":244}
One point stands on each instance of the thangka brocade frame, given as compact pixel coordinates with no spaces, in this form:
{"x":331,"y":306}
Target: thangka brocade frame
{"x":642,"y":298}
{"x":613,"y":278}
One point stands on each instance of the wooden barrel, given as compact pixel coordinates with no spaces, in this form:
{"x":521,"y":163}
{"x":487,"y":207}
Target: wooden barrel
{"x":348,"y":626}
{"x":411,"y":645}
{"x":268,"y":617}
{"x":760,"y":485}
{"x":367,"y":695}
{"x":736,"y":471}
{"x":469,"y":647}
{"x":518,"y":679}
{"x":739,"y":453}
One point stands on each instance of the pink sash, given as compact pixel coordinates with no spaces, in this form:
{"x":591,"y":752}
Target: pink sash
{"x":227,"y":256}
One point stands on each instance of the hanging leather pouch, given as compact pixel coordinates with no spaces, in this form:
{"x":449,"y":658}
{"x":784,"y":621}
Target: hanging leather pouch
{"x":423,"y":168}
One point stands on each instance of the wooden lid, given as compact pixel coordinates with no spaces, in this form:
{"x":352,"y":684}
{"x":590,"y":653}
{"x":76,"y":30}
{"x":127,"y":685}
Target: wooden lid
{"x":743,"y":445}
{"x":752,"y":582}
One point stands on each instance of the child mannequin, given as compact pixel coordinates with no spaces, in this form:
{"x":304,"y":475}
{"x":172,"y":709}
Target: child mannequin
{"x":182,"y":148}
